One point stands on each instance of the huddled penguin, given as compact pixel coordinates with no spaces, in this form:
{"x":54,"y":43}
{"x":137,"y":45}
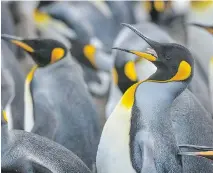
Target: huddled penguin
{"x":209,"y":29}
{"x":140,"y":134}
{"x":201,"y":151}
{"x":14,"y":76}
{"x":87,"y":49}
{"x":28,"y":153}
{"x":128,"y":68}
{"x":201,"y":46}
{"x":58,"y":105}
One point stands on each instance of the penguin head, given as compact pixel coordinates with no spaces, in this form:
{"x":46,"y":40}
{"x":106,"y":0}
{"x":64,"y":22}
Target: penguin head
{"x":173,"y":61}
{"x":43,"y":51}
{"x":206,"y":27}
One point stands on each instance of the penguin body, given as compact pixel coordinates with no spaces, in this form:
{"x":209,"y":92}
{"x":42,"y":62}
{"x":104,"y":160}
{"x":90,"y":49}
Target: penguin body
{"x":13,"y":69}
{"x":61,"y":107}
{"x":38,"y":154}
{"x":68,"y":109}
{"x":143,"y":133}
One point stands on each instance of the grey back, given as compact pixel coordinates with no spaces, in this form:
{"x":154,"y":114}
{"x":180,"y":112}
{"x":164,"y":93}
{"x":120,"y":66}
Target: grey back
{"x":10,"y":63}
{"x":63,"y":109}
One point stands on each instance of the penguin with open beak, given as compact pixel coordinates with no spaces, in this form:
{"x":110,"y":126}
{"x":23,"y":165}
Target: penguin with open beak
{"x":56,"y":99}
{"x":129,"y":68}
{"x":202,"y":151}
{"x":37,"y":154}
{"x":139,"y":134}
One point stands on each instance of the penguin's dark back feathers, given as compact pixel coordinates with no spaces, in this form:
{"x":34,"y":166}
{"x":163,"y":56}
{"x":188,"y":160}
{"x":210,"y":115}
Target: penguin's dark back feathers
{"x":60,"y":92}
{"x":28,"y":152}
{"x":10,"y":63}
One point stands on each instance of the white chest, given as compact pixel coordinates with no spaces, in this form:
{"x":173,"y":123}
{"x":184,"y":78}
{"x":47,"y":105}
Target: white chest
{"x":113,"y":151}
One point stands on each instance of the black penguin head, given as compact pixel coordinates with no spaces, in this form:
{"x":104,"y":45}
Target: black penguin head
{"x":43,"y":51}
{"x":174,"y":62}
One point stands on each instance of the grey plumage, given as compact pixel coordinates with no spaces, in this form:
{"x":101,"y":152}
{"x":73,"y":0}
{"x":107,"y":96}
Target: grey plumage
{"x":28,"y":153}
{"x":63,"y":109}
{"x":10,"y":63}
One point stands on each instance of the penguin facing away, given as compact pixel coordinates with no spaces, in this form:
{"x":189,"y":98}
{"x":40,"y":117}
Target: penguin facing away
{"x":38,"y":154}
{"x":141,"y":126}
{"x":61,"y":107}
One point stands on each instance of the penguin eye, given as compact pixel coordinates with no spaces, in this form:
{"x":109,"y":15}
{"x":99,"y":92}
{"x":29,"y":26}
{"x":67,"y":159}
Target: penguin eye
{"x":167,"y":57}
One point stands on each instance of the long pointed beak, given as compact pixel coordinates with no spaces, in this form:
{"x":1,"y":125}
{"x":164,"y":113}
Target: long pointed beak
{"x":206,"y":154}
{"x":207,"y":28}
{"x":196,"y":147}
{"x":155,"y":45}
{"x":18,"y":42}
{"x":144,"y":55}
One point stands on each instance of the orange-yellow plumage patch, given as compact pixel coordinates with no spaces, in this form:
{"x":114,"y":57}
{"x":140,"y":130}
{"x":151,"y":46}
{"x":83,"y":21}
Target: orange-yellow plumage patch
{"x":184,"y":71}
{"x":40,"y":17}
{"x":147,"y":5}
{"x":5,"y":115}
{"x":31,"y":74}
{"x":144,"y":55}
{"x":23,"y":45}
{"x":57,"y":54}
{"x":201,"y":5}
{"x":115,"y":76}
{"x":127,"y":99}
{"x":130,"y":71}
{"x":205,"y":153}
{"x":89,"y":52}
{"x":159,"y":6}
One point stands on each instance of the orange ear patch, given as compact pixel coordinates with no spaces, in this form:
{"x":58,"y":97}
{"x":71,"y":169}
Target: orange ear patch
{"x":115,"y":76}
{"x":184,"y":71}
{"x":57,"y":54}
{"x":23,"y":45}
{"x":159,"y":6}
{"x":89,"y":52}
{"x":130,"y":71}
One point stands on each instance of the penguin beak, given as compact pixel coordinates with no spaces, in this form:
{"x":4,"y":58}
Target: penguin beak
{"x":150,"y":56}
{"x":207,"y":28}
{"x":18,"y":42}
{"x":203,"y":151}
{"x":206,"y":154}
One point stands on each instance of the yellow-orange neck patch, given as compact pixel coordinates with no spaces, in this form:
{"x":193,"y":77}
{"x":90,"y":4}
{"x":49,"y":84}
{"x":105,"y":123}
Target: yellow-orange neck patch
{"x":201,"y":5}
{"x":89,"y":52}
{"x":31,"y":74}
{"x":115,"y":76}
{"x":128,"y":98}
{"x":40,"y":17}
{"x":130,"y":71}
{"x":57,"y":54}
{"x":159,"y":6}
{"x":5,"y":115}
{"x":23,"y":45}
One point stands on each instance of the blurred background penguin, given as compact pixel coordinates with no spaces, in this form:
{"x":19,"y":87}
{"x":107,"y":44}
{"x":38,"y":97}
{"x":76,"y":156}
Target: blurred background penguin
{"x":62,"y":81}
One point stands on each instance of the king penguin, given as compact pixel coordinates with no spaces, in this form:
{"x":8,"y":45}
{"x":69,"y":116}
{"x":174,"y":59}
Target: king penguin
{"x":38,"y":154}
{"x":141,"y":125}
{"x":58,"y":105}
{"x":14,"y":77}
{"x":128,"y":68}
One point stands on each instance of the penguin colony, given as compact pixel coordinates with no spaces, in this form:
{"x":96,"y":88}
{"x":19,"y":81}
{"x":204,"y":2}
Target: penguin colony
{"x":107,"y":87}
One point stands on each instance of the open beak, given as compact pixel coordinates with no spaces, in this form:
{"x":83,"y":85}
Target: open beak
{"x":147,"y":55}
{"x":18,"y":42}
